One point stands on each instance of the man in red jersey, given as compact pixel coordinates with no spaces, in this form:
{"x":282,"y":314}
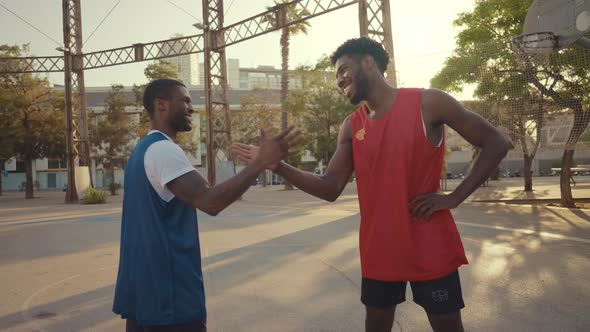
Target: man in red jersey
{"x":394,"y":143}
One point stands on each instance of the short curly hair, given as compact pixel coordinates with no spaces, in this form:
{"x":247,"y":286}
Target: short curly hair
{"x":363,"y":46}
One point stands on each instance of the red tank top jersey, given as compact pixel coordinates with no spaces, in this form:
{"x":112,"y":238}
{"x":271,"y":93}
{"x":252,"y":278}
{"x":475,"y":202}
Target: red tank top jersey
{"x":394,"y":162}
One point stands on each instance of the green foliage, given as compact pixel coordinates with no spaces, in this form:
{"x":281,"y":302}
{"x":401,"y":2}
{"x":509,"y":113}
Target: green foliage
{"x":31,"y":117}
{"x":186,"y":141}
{"x":160,"y":69}
{"x":93,"y":196}
{"x":320,"y":109}
{"x":484,"y":57}
{"x":113,"y":131}
{"x":112,"y":134}
{"x":557,"y":164}
{"x":292,"y":14}
{"x":113,"y":187}
{"x":256,"y":112}
{"x":520,"y":89}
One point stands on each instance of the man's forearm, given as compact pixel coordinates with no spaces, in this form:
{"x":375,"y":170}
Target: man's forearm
{"x":316,"y":185}
{"x":222,"y":195}
{"x":488,"y":160}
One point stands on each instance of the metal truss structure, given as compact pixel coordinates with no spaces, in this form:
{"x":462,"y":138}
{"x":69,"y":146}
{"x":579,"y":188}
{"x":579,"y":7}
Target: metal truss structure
{"x":106,"y":58}
{"x":374,"y":19}
{"x":375,"y":23}
{"x":77,"y":123}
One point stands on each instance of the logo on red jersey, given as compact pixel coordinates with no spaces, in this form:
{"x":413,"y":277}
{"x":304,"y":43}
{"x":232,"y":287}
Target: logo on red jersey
{"x":360,"y":135}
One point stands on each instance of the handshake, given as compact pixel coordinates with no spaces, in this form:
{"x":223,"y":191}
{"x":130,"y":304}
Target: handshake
{"x":270,"y":150}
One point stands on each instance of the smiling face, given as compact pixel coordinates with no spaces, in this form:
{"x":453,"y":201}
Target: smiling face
{"x":351,"y":78}
{"x":178,"y":109}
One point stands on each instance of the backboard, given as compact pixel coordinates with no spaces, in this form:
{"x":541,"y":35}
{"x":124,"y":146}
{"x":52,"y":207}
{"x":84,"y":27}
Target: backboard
{"x":551,"y":25}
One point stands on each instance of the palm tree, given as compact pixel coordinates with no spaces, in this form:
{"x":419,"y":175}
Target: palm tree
{"x":291,"y":14}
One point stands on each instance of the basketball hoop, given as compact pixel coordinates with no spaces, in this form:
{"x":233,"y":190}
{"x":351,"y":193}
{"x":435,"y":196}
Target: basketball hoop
{"x":535,"y":46}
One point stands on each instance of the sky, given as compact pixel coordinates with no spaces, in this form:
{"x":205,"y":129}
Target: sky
{"x":423,"y":33}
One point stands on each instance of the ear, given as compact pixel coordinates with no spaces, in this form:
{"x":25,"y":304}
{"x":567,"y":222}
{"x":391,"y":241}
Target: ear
{"x":368,"y":62}
{"x":159,"y":104}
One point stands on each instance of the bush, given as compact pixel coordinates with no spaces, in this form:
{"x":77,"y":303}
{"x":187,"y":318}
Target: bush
{"x":92,"y":196}
{"x":557,"y":164}
{"x":113,"y":187}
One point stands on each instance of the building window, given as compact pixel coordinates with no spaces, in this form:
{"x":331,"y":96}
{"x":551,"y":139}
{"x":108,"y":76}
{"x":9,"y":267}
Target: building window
{"x":51,"y":180}
{"x":56,"y":164}
{"x":20,"y":166}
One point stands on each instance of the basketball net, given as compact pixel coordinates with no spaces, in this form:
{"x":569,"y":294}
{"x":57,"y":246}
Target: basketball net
{"x":535,"y":48}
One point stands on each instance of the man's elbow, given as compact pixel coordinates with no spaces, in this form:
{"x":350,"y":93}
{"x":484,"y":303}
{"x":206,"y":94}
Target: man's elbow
{"x":497,"y":142}
{"x":210,"y":209}
{"x":505,"y":145}
{"x":500,"y":145}
{"x":330,"y":197}
{"x":332,"y":194}
{"x":212,"y":212}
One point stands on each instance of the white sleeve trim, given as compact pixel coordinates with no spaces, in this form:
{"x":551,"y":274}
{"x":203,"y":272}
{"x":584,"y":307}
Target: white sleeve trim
{"x":164,"y":181}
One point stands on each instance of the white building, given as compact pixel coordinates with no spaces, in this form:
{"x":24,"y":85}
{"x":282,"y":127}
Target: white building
{"x":186,"y":65}
{"x":233,"y":73}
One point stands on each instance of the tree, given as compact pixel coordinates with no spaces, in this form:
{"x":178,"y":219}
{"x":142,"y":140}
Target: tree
{"x":320,"y":107}
{"x":256,"y":112}
{"x":521,"y":117}
{"x":8,"y":127}
{"x":160,"y":69}
{"x":112,"y":134}
{"x":288,"y":12}
{"x":485,"y":56}
{"x":8,"y":130}
{"x":31,"y":118}
{"x":569,"y":74}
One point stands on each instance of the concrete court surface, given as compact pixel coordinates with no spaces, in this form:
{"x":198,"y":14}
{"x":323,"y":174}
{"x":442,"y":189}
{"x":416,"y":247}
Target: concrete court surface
{"x":285,"y":261}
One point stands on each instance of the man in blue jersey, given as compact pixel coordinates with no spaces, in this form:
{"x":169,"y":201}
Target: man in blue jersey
{"x":160,"y":282}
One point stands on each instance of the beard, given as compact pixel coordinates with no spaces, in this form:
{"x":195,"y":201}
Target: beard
{"x":361,"y":85}
{"x":180,"y":123}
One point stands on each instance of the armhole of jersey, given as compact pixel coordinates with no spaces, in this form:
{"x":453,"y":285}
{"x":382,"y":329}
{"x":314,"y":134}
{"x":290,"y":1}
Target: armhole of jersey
{"x":426,"y":133}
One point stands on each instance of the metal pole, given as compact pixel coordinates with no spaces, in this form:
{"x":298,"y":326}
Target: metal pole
{"x":217,"y":107}
{"x":363,"y":21}
{"x":208,"y":104}
{"x":71,"y":193}
{"x":388,"y":42}
{"x":78,"y":85}
{"x":376,"y":14}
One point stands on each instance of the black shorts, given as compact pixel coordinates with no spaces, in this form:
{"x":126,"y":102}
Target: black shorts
{"x":438,"y":296}
{"x":195,"y":326}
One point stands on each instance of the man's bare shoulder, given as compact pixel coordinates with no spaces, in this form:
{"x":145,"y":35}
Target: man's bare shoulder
{"x":345,"y":135}
{"x":434,"y":98}
{"x":438,"y":105}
